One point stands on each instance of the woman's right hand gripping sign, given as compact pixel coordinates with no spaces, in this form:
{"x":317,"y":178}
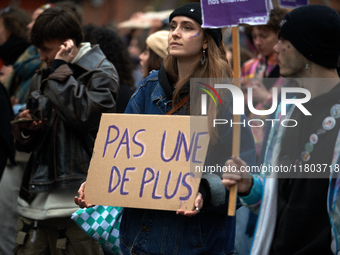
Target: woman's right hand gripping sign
{"x":236,"y":174}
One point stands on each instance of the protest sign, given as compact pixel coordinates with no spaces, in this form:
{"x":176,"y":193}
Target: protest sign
{"x":292,"y":3}
{"x":222,"y":13}
{"x":147,"y":161}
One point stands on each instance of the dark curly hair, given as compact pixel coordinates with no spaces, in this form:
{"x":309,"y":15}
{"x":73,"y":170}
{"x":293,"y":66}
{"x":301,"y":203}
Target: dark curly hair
{"x":275,"y":18}
{"x":114,"y":49}
{"x":15,"y":21}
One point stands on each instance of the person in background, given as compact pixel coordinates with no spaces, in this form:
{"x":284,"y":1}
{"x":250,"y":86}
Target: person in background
{"x":262,"y":73}
{"x":7,"y":150}
{"x":7,"y":153}
{"x":298,"y":213}
{"x":17,"y":84}
{"x":156,"y":49}
{"x":116,"y":52}
{"x":24,"y":68}
{"x":245,"y":54}
{"x":13,"y":41}
{"x":58,"y":127}
{"x":13,"y":37}
{"x":206,"y":229}
{"x":135,"y":31}
{"x":135,"y":41}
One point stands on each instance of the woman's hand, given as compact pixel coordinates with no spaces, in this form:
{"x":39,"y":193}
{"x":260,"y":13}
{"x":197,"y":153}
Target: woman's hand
{"x":196,"y":210}
{"x":80,"y":200}
{"x":243,"y":179}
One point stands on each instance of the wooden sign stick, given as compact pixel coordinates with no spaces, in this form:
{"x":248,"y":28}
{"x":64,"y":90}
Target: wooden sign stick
{"x":236,"y":118}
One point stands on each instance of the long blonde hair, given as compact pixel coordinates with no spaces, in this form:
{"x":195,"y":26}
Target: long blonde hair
{"x":216,"y":66}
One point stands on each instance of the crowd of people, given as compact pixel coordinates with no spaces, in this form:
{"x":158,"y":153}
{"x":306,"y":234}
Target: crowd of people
{"x":58,"y":76}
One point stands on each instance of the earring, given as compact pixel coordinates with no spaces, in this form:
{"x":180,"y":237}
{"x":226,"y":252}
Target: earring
{"x":307,"y":66}
{"x":203,"y":58}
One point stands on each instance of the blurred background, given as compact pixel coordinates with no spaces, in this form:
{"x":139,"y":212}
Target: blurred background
{"x":102,"y":12}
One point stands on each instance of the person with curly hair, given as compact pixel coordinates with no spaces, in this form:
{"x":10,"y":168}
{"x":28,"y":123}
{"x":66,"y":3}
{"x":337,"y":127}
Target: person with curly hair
{"x":116,"y":52}
{"x":262,"y":72}
{"x":13,"y":34}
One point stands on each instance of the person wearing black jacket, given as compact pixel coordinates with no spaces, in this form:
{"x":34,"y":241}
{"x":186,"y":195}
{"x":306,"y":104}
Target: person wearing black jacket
{"x":59,"y":127}
{"x":298,"y":210}
{"x":7,"y":150}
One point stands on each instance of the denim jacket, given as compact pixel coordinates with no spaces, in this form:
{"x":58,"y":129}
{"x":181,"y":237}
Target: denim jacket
{"x":163,"y":232}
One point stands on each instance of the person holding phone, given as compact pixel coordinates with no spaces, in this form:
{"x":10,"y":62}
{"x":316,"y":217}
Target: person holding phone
{"x":64,"y":107}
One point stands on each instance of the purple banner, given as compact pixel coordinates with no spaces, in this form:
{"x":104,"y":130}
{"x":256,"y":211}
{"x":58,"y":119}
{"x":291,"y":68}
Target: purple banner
{"x":293,"y":3}
{"x":222,"y":13}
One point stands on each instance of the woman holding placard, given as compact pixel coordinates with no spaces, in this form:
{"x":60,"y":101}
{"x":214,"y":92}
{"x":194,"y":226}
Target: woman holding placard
{"x":193,"y":52}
